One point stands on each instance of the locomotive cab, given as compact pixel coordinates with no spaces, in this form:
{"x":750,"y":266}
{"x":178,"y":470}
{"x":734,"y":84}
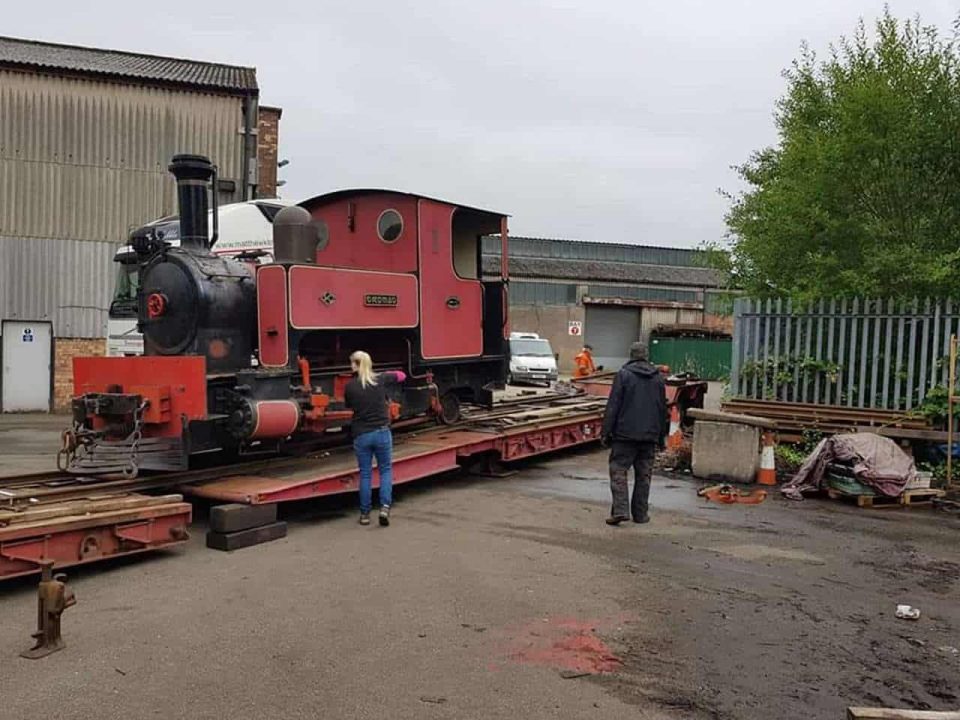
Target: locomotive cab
{"x":251,"y":360}
{"x":397,"y":275}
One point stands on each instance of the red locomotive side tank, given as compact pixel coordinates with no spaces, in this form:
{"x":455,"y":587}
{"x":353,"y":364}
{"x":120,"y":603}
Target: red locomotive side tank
{"x":351,"y":299}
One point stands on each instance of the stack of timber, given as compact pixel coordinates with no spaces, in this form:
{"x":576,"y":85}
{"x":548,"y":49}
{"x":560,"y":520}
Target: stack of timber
{"x":518,"y":413}
{"x":97,"y":505}
{"x":235,"y":526}
{"x":793,"y":419}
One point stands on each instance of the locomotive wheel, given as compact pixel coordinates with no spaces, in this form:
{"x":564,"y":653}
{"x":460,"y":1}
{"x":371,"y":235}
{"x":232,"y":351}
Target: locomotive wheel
{"x":449,"y":409}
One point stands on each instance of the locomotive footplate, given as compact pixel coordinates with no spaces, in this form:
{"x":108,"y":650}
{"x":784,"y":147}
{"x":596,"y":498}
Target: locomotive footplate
{"x":127,"y":456}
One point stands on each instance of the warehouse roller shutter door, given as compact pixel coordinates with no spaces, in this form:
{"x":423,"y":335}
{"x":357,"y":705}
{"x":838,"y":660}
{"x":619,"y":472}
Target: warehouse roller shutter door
{"x":611,"y":330}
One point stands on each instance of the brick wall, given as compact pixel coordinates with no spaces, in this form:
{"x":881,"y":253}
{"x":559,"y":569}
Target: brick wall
{"x":64,"y":351}
{"x":268,"y":142}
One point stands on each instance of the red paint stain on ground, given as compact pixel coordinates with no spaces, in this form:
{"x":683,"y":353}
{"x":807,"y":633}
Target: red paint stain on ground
{"x":570,"y":645}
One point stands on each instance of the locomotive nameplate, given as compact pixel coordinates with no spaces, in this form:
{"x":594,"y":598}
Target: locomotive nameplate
{"x":379,"y":300}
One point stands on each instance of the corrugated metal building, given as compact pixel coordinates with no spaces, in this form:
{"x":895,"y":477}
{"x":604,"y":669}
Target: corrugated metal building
{"x":85,"y":140}
{"x":609,"y":295}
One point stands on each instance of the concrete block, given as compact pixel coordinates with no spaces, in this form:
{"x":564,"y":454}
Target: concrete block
{"x":246,"y":538}
{"x":725,"y":452}
{"x":235,"y":517}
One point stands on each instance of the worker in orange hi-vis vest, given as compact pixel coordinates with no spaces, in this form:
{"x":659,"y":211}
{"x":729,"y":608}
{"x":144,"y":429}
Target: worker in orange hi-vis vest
{"x":584,"y":363}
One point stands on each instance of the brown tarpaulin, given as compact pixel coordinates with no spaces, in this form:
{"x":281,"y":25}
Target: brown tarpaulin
{"x":877,"y":461}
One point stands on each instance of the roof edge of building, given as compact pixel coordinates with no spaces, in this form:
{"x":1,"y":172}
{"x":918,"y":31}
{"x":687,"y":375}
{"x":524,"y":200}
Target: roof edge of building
{"x":600,"y":271}
{"x":604,"y":243}
{"x":236,"y":87}
{"x":114,"y":51}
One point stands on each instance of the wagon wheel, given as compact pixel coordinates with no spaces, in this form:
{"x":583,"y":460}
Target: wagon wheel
{"x":449,"y":409}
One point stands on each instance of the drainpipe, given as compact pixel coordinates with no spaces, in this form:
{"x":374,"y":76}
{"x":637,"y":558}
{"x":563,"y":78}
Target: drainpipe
{"x":250,"y":111}
{"x":504,"y":257}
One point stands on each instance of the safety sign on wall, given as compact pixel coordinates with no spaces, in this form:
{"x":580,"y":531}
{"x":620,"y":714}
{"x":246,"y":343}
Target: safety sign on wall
{"x":28,"y":335}
{"x":575,"y":327}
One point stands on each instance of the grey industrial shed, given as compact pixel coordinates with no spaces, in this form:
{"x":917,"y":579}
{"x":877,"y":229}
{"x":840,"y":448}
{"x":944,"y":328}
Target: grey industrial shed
{"x":85,"y":139}
{"x":606,"y":294}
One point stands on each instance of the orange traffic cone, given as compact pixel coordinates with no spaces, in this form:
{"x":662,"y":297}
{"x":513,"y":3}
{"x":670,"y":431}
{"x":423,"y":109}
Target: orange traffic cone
{"x":767,"y":474}
{"x":675,"y":438}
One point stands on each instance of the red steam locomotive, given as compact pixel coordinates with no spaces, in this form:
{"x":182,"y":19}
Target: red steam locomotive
{"x":245,"y":358}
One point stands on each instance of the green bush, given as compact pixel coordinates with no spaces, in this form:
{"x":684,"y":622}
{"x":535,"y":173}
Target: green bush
{"x":789,"y":458}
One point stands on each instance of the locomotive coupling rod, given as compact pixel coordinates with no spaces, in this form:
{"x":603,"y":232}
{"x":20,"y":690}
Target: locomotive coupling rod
{"x":53,"y":597}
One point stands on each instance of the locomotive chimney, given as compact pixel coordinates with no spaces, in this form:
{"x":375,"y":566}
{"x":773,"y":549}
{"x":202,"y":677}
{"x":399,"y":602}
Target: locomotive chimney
{"x":193,"y":174}
{"x":295,"y":236}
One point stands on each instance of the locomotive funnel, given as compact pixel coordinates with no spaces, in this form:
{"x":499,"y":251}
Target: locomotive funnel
{"x":193,"y":174}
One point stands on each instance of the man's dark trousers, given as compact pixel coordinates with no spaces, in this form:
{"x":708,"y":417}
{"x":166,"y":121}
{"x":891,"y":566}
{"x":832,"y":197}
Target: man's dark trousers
{"x":625,"y":454}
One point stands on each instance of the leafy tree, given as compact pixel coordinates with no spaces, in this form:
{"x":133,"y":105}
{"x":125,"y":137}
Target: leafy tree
{"x":861,"y":196}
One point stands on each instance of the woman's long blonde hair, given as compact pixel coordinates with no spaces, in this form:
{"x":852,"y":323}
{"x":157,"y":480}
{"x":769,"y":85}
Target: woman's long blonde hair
{"x":364,"y":368}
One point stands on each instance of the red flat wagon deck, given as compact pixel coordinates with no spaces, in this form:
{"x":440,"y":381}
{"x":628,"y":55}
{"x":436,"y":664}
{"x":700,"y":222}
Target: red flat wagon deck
{"x":415,"y":456}
{"x":82,"y":531}
{"x":71,"y":521}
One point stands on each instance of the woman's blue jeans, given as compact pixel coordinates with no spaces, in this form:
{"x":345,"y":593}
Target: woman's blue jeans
{"x":379,"y":443}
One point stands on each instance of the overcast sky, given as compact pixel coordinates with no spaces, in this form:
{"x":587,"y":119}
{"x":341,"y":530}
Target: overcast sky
{"x":613,"y":120}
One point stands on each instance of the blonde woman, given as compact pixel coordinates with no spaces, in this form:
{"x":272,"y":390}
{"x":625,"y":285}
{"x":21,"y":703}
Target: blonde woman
{"x":366,"y":395}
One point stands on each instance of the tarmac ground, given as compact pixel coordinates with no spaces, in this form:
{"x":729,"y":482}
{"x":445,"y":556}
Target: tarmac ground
{"x":505,"y":598}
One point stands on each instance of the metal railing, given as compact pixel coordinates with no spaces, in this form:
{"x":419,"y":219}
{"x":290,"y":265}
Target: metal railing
{"x":863,"y":353}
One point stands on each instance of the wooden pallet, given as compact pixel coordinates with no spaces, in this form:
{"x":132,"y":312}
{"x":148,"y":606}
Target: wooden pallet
{"x":917,"y":496}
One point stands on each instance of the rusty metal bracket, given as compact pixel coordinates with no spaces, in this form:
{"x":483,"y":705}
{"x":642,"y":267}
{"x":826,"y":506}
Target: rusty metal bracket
{"x":33,"y":551}
{"x":138,"y":532}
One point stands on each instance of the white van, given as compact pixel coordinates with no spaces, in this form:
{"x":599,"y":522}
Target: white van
{"x":531,"y":359}
{"x":244,"y":227}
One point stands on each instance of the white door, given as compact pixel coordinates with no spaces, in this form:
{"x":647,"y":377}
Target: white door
{"x":26,"y":366}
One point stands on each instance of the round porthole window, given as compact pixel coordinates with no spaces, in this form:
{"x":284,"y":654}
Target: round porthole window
{"x":389,"y":226}
{"x":323,"y":233}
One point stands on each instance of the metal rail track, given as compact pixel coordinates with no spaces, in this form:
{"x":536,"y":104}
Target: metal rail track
{"x":828,"y":413}
{"x":38,"y":478}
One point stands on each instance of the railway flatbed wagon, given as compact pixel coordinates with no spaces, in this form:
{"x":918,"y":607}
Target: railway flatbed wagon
{"x":239,"y":396}
{"x":69,"y":520}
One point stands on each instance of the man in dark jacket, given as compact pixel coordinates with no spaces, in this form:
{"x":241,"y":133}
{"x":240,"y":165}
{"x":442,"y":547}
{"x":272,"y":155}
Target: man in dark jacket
{"x":634,"y":425}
